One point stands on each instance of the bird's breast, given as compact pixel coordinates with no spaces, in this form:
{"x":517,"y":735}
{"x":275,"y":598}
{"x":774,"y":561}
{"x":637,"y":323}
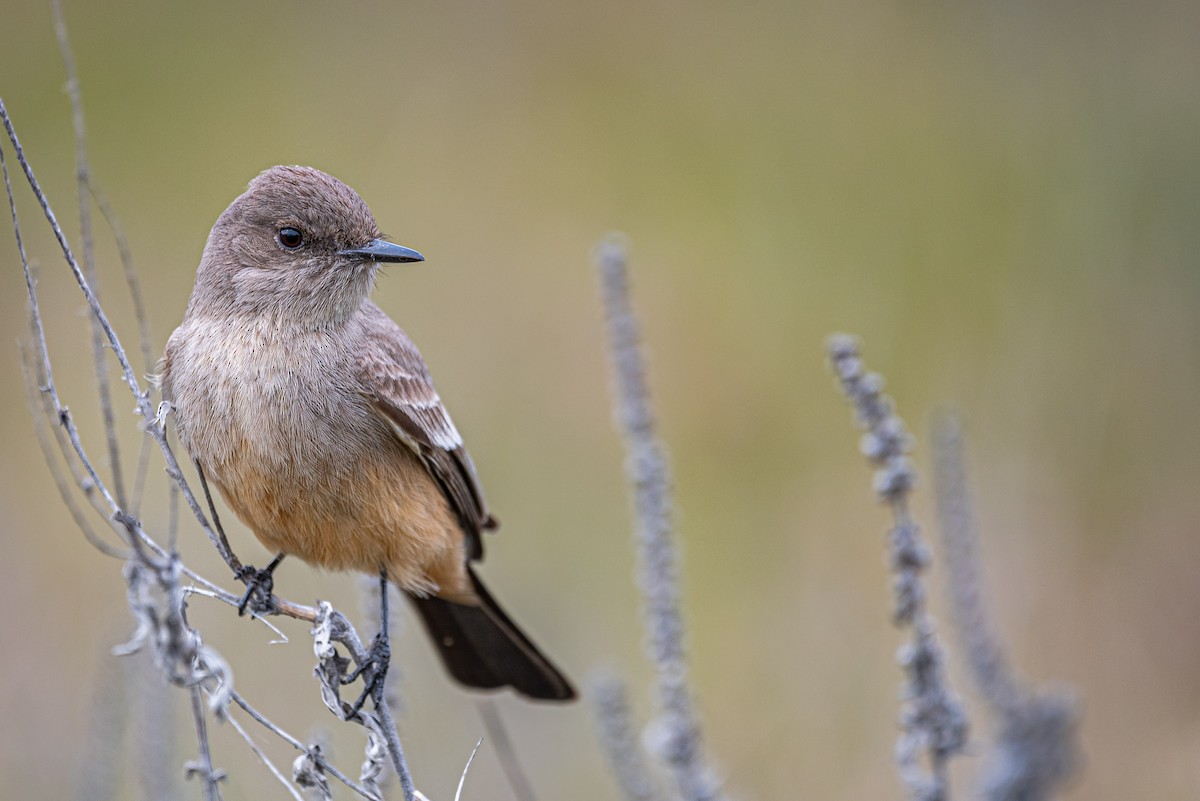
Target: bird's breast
{"x":277,"y":414}
{"x":280,"y":426}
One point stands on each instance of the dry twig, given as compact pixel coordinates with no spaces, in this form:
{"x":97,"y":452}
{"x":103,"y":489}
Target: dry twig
{"x":153,"y":572}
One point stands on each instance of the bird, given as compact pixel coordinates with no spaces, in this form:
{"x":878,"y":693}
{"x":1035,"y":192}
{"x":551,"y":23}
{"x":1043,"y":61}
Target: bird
{"x":316,"y":418}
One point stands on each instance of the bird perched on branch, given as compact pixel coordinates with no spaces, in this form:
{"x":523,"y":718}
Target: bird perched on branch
{"x":315,"y":416}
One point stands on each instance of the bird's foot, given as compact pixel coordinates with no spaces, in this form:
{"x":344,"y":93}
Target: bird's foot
{"x":373,"y":671}
{"x":259,"y":586}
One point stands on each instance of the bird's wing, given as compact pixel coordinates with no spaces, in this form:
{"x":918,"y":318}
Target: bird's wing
{"x":397,"y":381}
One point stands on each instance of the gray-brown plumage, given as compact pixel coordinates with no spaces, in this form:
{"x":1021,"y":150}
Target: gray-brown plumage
{"x":315,"y":416}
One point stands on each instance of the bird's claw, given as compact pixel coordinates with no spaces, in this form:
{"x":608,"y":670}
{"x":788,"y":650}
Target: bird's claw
{"x":373,"y":671}
{"x":259,"y":586}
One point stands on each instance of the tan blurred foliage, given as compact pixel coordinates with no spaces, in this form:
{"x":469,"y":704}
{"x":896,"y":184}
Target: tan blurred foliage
{"x":1001,"y":199}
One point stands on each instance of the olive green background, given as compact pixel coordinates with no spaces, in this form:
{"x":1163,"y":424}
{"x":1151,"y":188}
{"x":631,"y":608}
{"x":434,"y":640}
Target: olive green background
{"x":1003,"y":200}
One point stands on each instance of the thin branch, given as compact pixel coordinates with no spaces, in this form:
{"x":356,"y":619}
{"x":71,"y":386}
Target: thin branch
{"x":89,"y":295}
{"x":679,"y":743}
{"x":132,"y":282}
{"x":43,"y":368}
{"x":41,"y":431}
{"x":237,"y":698}
{"x":932,"y":718}
{"x":232,"y":600}
{"x":45,"y":413}
{"x":67,"y":446}
{"x":156,"y":600}
{"x":145,"y":338}
{"x":258,"y":752}
{"x":204,"y":768}
{"x":286,"y":608}
{"x":151,"y":417}
{"x":1036,"y":731}
{"x":462,"y":780}
{"x":298,"y":745}
{"x":399,"y":760}
{"x":100,"y":363}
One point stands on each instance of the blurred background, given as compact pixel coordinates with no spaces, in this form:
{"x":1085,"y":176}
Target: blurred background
{"x":1001,"y":199}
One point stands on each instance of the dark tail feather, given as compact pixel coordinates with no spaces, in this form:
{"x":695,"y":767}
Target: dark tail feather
{"x":482,"y":648}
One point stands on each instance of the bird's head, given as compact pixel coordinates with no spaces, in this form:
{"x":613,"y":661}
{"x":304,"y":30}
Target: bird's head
{"x":299,"y":246}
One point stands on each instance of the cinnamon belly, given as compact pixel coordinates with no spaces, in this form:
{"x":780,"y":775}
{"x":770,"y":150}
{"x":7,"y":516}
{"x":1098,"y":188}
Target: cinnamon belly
{"x":378,"y":512}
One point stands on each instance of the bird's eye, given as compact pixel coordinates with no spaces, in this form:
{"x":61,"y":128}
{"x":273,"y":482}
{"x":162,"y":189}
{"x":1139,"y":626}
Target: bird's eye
{"x":290,"y":238}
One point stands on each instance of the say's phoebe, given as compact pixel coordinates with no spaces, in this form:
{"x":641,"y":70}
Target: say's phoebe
{"x":315,"y":416}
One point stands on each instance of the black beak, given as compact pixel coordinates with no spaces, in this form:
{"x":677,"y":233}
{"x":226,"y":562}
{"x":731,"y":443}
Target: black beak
{"x":379,"y":250}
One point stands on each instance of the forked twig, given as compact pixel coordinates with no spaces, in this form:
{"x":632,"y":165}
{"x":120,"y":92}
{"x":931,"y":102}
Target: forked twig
{"x":300,"y":746}
{"x":150,"y":417}
{"x":41,"y":431}
{"x":153,"y":571}
{"x":258,"y":752}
